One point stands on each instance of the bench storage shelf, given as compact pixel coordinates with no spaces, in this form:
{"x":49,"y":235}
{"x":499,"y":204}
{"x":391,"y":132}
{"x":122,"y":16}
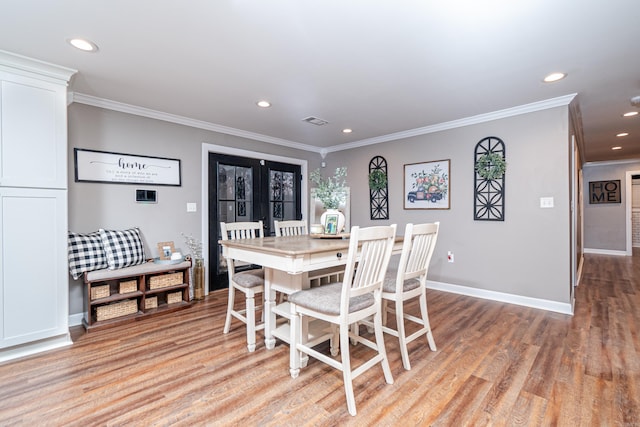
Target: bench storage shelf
{"x":113,"y":297}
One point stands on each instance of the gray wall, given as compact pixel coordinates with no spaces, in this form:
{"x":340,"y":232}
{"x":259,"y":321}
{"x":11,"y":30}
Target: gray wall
{"x":526,"y":255}
{"x":605,"y":224}
{"x":112,"y":206}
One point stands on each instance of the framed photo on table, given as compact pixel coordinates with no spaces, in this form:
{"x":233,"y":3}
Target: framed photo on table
{"x":427,"y":185}
{"x":331,"y":224}
{"x":165,"y":249}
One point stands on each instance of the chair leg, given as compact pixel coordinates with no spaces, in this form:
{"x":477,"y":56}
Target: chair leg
{"x":294,"y":338}
{"x":227,"y":322}
{"x":385,"y":307}
{"x":425,"y":320}
{"x":377,"y":323}
{"x":335,"y":341}
{"x":402,"y":336}
{"x":251,"y":322}
{"x":346,"y":370}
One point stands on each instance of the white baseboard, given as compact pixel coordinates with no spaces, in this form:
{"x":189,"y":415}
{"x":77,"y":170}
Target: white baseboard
{"x":604,"y":252}
{"x":35,"y":347}
{"x":76,"y":319}
{"x":558,"y":307}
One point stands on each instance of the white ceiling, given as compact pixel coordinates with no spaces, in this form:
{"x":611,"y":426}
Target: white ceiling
{"x":378,"y":67}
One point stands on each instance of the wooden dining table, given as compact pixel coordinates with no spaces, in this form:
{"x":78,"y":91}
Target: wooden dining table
{"x":288,"y":262}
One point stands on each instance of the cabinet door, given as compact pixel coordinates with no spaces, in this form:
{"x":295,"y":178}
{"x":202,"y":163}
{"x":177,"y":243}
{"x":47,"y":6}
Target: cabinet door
{"x":33,"y":267}
{"x":33,"y":136}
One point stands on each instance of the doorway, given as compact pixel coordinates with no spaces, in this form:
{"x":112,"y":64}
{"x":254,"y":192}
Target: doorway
{"x":248,"y":189}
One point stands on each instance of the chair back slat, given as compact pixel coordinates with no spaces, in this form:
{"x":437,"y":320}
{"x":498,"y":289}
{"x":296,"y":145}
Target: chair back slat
{"x":241,"y":230}
{"x":290,"y":228}
{"x":369,"y":253}
{"x":419,"y":244}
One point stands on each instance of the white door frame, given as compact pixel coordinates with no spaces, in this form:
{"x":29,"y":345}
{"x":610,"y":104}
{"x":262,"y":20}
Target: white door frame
{"x":629,"y":201}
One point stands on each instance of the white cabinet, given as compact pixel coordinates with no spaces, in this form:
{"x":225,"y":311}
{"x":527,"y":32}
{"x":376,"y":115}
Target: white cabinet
{"x":34,"y":296}
{"x":33,"y":131}
{"x":33,"y":231}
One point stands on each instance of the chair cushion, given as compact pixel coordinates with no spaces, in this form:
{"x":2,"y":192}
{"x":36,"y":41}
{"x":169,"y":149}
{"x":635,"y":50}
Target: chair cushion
{"x":249,"y":278}
{"x":123,"y":248}
{"x":326,"y":299}
{"x":86,"y":253}
{"x":390,"y":282}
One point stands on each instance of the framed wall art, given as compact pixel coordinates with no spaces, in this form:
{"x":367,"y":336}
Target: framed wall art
{"x":604,"y":192}
{"x":119,"y":168}
{"x":427,"y":185}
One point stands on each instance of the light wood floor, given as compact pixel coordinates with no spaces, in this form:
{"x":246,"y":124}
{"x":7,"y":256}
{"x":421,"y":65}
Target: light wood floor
{"x":496,"y":364}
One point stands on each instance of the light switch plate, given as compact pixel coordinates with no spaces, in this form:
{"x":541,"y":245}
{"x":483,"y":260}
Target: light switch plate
{"x":546,"y":202}
{"x":192,"y":207}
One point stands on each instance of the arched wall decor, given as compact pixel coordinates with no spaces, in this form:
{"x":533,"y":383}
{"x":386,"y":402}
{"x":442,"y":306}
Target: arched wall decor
{"x":489,"y":179}
{"x":379,"y":196}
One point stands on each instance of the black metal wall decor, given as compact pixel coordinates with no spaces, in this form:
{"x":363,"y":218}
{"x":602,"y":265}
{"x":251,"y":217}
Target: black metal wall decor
{"x":490,"y":165}
{"x":378,"y":188}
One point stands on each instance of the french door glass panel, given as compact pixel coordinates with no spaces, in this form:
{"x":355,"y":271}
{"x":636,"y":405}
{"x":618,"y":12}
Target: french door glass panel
{"x":244,"y":189}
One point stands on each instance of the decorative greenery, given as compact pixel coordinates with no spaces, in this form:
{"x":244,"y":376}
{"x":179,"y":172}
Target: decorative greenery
{"x":491,"y":166}
{"x":377,"y":179}
{"x":330,"y":191}
{"x":194,"y":245}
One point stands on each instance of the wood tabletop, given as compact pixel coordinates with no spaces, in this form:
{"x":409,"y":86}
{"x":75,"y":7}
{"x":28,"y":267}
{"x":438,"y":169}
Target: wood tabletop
{"x":288,"y":245}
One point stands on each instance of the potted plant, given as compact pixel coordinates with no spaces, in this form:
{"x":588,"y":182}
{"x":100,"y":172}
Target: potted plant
{"x":331,"y":192}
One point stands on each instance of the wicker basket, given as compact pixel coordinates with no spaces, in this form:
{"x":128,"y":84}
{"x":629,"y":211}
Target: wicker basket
{"x":165,"y":280}
{"x":117,"y":309}
{"x":150,"y":302}
{"x":174,"y":297}
{"x":99,"y":291}
{"x":128,"y":286}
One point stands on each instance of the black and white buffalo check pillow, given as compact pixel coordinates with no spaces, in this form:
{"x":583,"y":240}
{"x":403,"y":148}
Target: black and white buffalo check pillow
{"x":123,"y":248}
{"x":85,"y":253}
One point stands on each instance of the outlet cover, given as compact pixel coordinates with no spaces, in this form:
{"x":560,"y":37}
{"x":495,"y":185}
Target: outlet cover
{"x":546,"y":202}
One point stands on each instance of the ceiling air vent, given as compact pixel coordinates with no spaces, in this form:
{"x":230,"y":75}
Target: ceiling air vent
{"x":315,"y":121}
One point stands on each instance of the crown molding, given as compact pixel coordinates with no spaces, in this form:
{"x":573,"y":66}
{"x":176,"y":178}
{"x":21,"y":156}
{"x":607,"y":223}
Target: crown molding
{"x":35,"y":68}
{"x":181,"y":120}
{"x":172,"y":118}
{"x":610,"y":162}
{"x":480,"y":118}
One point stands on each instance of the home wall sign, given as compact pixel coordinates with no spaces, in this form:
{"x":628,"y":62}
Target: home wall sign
{"x":119,"y":168}
{"x":604,"y":192}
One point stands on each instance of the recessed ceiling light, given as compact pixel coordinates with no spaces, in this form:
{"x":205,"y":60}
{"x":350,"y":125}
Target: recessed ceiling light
{"x":621,"y":134}
{"x":84,"y":45}
{"x":263,"y":104}
{"x":616,"y":148}
{"x":347,"y":130}
{"x":630,"y":114}
{"x":554,"y":77}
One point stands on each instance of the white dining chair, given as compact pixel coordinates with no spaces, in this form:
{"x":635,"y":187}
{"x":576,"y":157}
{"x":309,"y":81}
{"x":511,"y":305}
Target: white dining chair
{"x":249,"y":282}
{"x":290,"y":228}
{"x":407,"y":282}
{"x":344,"y":303}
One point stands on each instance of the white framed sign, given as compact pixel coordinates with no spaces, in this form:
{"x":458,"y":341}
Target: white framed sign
{"x":119,"y":168}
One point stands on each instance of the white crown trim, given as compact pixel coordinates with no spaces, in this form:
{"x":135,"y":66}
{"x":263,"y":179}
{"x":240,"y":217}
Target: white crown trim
{"x":172,"y":118}
{"x":181,"y":120}
{"x":467,"y":121}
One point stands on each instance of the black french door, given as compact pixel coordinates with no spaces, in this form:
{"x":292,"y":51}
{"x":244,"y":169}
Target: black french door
{"x":246,"y":189}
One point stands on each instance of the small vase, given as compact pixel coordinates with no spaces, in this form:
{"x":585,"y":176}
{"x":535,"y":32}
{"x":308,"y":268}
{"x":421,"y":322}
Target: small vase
{"x":341,"y":220}
{"x":198,"y":279}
